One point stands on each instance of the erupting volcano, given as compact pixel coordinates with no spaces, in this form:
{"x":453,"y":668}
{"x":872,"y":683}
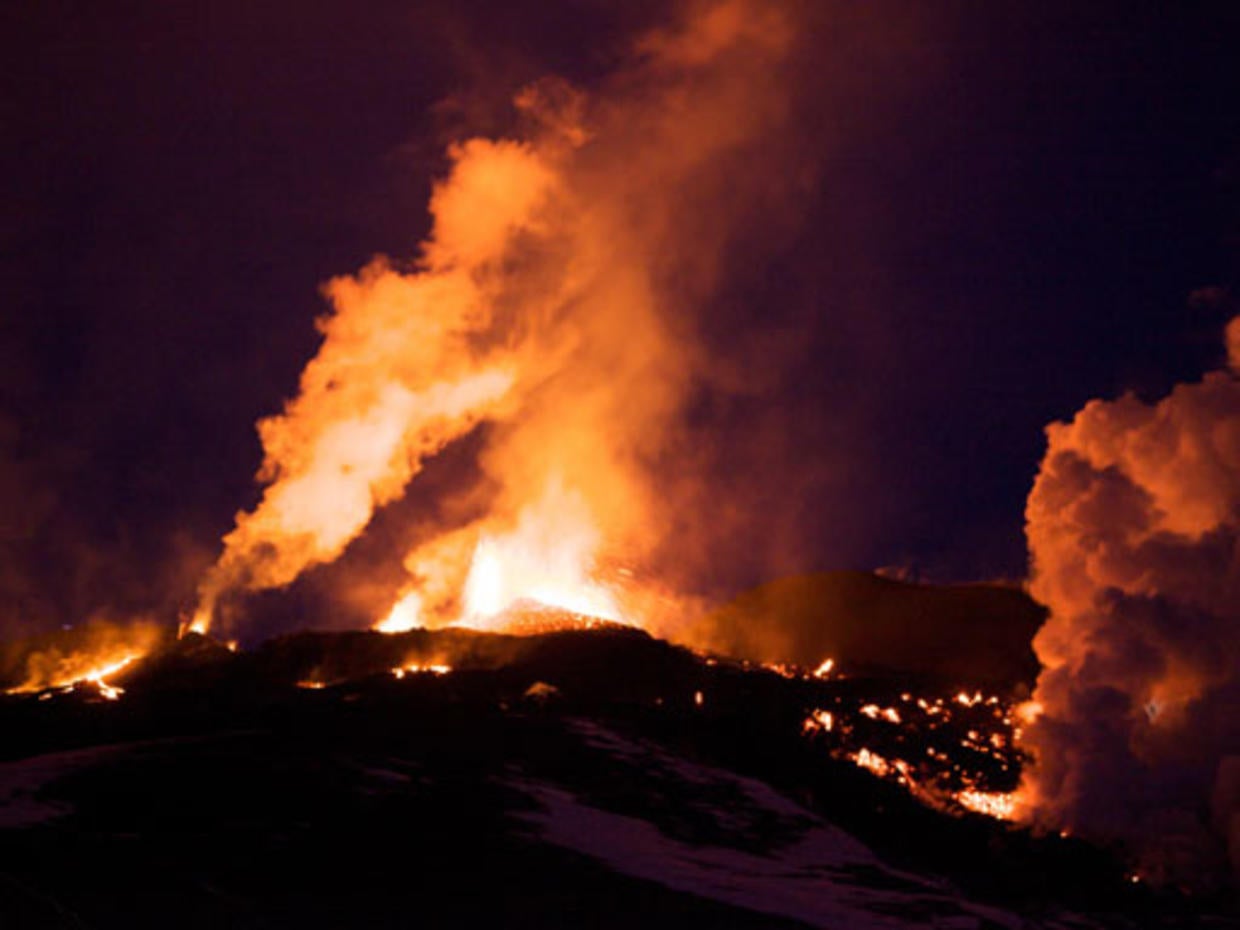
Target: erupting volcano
{"x":556,"y":598}
{"x":550,"y":312}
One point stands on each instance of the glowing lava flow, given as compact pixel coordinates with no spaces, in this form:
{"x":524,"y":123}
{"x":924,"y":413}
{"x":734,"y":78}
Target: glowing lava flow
{"x":824,"y":668}
{"x":94,"y":676}
{"x":954,"y":753}
{"x":1001,"y":805}
{"x":416,"y":668}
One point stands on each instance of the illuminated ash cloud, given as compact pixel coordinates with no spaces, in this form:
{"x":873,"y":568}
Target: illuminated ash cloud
{"x":553,"y":301}
{"x":398,"y":377}
{"x":1133,"y":527}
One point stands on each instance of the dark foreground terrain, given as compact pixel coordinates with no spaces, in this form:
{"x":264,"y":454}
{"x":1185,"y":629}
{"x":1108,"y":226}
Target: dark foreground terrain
{"x":575,"y":779}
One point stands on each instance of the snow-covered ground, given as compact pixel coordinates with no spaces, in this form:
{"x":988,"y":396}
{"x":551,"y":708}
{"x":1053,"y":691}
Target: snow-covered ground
{"x":25,"y":800}
{"x":22,"y":799}
{"x":820,"y":875}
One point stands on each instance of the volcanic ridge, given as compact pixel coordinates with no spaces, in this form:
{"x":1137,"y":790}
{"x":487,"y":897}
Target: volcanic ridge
{"x":588,"y":775}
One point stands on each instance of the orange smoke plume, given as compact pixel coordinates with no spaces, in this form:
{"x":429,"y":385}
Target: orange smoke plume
{"x":1134,"y":534}
{"x":553,"y":302}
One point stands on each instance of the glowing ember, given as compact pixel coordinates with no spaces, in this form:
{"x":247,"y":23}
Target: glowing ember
{"x":824,"y":669}
{"x":98,"y":678}
{"x":818,"y":720}
{"x":874,"y":712}
{"x":873,"y":762}
{"x":415,"y":668}
{"x":997,"y":804}
{"x":782,"y":669}
{"x":312,"y":685}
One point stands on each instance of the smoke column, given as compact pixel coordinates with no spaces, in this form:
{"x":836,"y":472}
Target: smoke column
{"x":553,"y":303}
{"x":1133,"y":527}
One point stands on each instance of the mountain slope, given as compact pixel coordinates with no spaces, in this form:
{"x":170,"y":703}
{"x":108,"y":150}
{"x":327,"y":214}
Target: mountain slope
{"x":974,"y":634}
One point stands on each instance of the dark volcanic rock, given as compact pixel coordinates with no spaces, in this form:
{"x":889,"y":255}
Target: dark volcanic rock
{"x":975,"y":635}
{"x":657,"y":789}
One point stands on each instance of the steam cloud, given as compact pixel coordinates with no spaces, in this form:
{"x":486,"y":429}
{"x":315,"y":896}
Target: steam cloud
{"x":553,"y":302}
{"x":1134,"y":533}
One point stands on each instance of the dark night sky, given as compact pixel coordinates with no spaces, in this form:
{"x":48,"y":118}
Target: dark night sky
{"x":1017,"y":203}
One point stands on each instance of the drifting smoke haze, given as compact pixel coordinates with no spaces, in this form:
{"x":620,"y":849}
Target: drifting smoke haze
{"x":552,"y":308}
{"x":1134,"y":535}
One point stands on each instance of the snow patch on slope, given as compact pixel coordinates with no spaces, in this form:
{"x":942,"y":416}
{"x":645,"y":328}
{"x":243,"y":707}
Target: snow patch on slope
{"x":823,"y":876}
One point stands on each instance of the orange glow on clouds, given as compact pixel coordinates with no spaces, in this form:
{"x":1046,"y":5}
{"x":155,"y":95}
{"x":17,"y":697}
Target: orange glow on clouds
{"x":1132,"y":526}
{"x":542,"y":305}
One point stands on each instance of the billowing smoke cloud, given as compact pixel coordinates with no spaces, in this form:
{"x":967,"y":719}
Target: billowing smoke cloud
{"x":554,"y":304}
{"x":1134,"y":533}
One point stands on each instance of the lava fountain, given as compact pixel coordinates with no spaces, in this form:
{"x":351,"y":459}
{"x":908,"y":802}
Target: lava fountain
{"x":549,"y":315}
